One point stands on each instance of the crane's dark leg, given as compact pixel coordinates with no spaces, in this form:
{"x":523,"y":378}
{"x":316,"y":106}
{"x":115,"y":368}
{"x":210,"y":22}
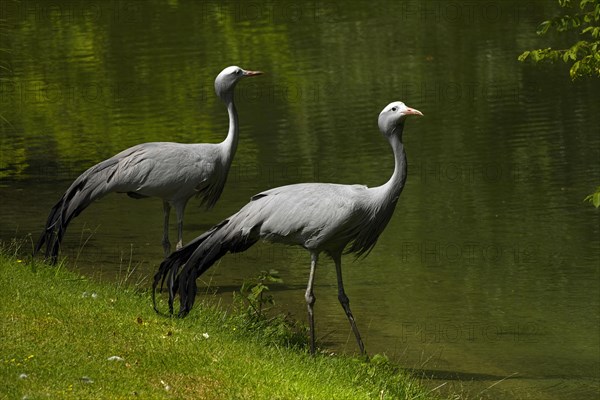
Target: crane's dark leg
{"x":165,"y":241}
{"x":310,"y":300}
{"x":179,"y":211}
{"x":345,"y":302}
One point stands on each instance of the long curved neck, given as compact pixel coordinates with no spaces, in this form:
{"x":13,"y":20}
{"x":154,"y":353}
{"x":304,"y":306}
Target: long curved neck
{"x":393,"y":187}
{"x":230,"y":142}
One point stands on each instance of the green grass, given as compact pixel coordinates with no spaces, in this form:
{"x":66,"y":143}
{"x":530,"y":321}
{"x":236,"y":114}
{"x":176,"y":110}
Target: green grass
{"x":59,"y":330}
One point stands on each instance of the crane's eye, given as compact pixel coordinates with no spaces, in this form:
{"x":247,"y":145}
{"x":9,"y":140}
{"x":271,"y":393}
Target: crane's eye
{"x":239,"y":71}
{"x":394,"y":109}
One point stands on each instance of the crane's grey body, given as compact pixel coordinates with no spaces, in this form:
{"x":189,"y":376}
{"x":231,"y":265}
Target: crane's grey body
{"x":173,"y":172}
{"x":320,"y":217}
{"x":148,"y":170}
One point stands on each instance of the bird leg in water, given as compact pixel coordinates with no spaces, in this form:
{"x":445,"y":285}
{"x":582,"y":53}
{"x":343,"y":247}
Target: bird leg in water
{"x":345,"y":302}
{"x":310,"y":300}
{"x":179,"y":210}
{"x":165,"y":241}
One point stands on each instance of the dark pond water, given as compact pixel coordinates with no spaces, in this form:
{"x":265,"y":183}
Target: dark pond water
{"x":487,"y":277}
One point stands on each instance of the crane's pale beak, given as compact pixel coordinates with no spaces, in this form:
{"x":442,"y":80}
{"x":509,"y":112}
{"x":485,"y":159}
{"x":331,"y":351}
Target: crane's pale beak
{"x":252,"y":73}
{"x":412,"y":111}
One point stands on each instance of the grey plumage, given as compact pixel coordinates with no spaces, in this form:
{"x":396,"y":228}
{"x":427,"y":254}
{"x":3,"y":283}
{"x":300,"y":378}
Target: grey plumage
{"x":320,"y":217}
{"x":173,"y":172}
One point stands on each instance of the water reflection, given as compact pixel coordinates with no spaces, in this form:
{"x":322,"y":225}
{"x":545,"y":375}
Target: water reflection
{"x":489,"y":266}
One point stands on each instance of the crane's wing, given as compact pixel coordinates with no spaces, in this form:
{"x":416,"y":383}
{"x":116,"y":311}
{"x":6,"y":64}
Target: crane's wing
{"x":311,"y":214}
{"x":165,"y":170}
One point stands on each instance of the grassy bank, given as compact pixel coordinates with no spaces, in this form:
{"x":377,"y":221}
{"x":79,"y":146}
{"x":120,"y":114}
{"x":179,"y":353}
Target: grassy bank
{"x":65,"y":336}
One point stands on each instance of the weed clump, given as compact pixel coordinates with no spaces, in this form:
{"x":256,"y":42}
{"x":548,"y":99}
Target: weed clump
{"x":253,"y":306}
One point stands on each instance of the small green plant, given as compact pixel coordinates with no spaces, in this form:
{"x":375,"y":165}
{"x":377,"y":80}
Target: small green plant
{"x":254,"y":296}
{"x":254,"y":303}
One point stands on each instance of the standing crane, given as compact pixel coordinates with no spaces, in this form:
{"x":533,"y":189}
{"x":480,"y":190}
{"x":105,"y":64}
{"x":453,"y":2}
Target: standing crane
{"x":173,"y":172}
{"x":321,"y":217}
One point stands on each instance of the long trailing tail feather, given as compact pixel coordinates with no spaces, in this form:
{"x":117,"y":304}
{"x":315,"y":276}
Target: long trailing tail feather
{"x":181,"y":269}
{"x":67,"y":208}
{"x":85,"y":189}
{"x":169,"y":268}
{"x":49,"y":231}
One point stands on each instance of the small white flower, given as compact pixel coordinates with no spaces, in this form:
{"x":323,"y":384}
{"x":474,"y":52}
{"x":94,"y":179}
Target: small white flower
{"x":205,"y":335}
{"x":94,"y":295}
{"x":165,"y":385}
{"x":115,"y":358}
{"x":23,"y":376}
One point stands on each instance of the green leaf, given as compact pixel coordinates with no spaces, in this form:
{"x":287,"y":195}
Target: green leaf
{"x":594,"y":198}
{"x":523,"y":56}
{"x":573,"y":72}
{"x":543,"y":28}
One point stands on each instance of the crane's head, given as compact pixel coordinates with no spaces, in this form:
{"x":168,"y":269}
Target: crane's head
{"x":393,"y":116}
{"x":228,"y":78}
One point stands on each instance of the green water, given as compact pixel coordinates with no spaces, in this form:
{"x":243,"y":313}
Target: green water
{"x":489,"y":268}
